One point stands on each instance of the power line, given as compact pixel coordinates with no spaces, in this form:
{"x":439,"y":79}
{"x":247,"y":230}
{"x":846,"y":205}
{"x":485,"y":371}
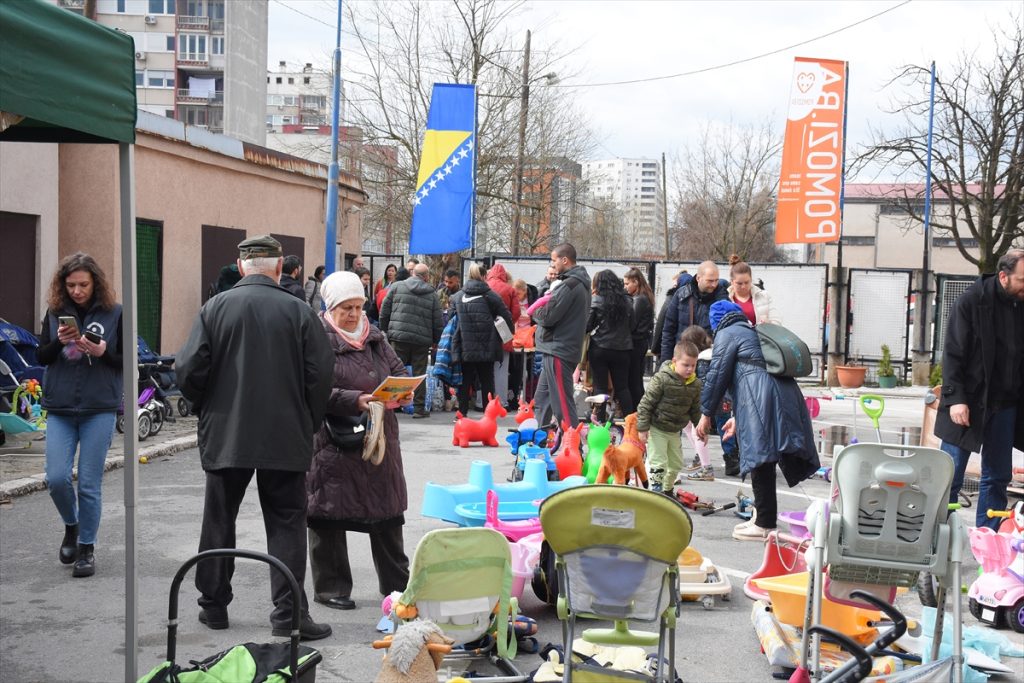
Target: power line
{"x":733,"y":63}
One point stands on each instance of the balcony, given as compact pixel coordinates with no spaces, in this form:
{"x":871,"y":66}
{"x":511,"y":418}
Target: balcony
{"x":193,"y":59}
{"x":214,"y":99}
{"x":74,"y":5}
{"x":191,"y":23}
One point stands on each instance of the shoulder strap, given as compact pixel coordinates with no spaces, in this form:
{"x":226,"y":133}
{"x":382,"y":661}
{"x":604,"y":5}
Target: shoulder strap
{"x":691,"y":309}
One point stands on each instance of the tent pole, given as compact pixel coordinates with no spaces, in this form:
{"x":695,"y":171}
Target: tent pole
{"x":130,"y":351}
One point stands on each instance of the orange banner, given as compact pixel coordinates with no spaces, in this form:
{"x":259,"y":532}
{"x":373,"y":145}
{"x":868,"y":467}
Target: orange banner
{"x":810,"y":186}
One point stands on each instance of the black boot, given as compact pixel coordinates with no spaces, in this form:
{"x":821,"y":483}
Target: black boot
{"x":732,"y":465}
{"x":85,"y":563}
{"x":69,"y":545}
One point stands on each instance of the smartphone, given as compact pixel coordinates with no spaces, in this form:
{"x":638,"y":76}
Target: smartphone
{"x":92,"y":336}
{"x":69,"y":321}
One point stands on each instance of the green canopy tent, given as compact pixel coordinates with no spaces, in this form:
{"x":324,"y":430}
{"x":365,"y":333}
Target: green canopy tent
{"x":65,"y":78}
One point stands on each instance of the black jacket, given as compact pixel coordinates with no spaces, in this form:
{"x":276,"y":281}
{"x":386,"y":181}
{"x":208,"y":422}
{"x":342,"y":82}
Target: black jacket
{"x":611,"y":333}
{"x":257,"y":369}
{"x":660,"y":324}
{"x":643,"y":321}
{"x":688,"y":304}
{"x":477,"y":306}
{"x":82,"y":386}
{"x":968,"y":363}
{"x":411,"y":313}
{"x":293,"y":287}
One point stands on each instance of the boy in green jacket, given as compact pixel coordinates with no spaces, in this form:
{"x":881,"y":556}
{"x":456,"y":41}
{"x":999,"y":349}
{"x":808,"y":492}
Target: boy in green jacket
{"x":672,"y":401}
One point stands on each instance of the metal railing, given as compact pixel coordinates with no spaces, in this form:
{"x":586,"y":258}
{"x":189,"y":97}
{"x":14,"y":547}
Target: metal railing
{"x":193,"y":59}
{"x":193,"y":23}
{"x":214,"y":97}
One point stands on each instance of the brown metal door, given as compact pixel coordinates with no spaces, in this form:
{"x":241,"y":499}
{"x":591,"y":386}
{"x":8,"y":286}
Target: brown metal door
{"x":294,"y":246}
{"x":220,"y":248}
{"x":18,"y":269}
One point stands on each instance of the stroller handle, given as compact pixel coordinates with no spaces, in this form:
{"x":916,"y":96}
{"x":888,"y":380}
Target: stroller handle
{"x":172,"y":607}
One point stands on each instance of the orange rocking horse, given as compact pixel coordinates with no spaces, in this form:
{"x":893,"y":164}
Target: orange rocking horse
{"x":483,"y":430}
{"x":628,"y":455}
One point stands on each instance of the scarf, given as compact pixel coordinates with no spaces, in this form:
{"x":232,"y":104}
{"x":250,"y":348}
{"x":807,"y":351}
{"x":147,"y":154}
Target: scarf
{"x":354,"y":339}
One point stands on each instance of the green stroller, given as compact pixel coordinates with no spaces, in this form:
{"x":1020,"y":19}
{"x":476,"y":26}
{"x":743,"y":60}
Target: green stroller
{"x":269,"y":662}
{"x":617,"y":550}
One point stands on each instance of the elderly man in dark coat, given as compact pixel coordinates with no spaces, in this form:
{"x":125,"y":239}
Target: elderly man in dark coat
{"x":410,"y":315}
{"x":982,"y":407}
{"x":772,"y":422}
{"x":256,"y":367}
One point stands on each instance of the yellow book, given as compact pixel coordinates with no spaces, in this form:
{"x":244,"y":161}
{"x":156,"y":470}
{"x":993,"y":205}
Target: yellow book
{"x":396,"y":388}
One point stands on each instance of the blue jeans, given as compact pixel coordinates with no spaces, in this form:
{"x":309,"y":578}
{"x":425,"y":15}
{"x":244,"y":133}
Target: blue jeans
{"x":729,"y":446}
{"x":996,"y":465}
{"x":90,"y":435}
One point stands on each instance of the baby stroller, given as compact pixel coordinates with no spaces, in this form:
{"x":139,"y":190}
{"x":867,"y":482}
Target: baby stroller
{"x":269,"y":662}
{"x":461,"y":579}
{"x":890,"y":523}
{"x":617,"y":549}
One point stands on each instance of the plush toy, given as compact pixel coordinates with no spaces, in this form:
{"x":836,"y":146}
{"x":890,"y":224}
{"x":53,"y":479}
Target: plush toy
{"x":598,"y":438}
{"x":415,"y":653}
{"x":483,"y":430}
{"x":628,"y":455}
{"x":570,"y":461}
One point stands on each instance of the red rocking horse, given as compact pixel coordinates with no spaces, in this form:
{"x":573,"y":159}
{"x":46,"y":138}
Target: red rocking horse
{"x":483,"y":430}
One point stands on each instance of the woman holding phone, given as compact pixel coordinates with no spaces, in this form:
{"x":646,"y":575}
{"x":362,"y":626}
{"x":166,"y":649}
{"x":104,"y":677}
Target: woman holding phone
{"x":79,"y":344}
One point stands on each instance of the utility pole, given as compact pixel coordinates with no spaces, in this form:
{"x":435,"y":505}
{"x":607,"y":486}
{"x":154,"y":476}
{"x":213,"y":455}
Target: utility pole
{"x":331,"y":221}
{"x":664,"y":200}
{"x":524,"y":107}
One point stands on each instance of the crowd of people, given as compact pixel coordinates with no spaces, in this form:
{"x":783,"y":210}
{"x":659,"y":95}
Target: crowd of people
{"x":321,"y":348}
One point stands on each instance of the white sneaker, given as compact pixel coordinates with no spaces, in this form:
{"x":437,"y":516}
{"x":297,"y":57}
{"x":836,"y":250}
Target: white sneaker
{"x":749,"y":522}
{"x":751,"y":533}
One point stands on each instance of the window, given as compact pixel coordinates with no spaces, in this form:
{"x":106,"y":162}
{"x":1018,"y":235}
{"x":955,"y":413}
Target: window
{"x":169,"y":113}
{"x":158,"y":6}
{"x":858,"y":240}
{"x":120,"y":6}
{"x":305,"y":80}
{"x":160,"y":79}
{"x":291,"y":100}
{"x":278,"y":80}
{"x":217,"y":47}
{"x":275,"y":100}
{"x":291,"y":81}
{"x":968,"y":242}
{"x":192,"y":47}
{"x":268,"y":79}
{"x":170,"y":43}
{"x":899,"y":208}
{"x":314,"y":101}
{"x":140,"y":78}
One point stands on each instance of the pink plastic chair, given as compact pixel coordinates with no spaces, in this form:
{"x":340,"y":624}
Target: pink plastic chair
{"x":513,"y":531}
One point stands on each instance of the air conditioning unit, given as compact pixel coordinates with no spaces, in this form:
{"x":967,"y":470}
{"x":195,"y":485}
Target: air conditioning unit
{"x":150,"y":19}
{"x":140,"y":56}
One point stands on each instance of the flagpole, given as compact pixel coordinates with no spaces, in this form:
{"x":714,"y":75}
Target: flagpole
{"x":476,"y":154}
{"x":331,"y":221}
{"x":925,"y":265}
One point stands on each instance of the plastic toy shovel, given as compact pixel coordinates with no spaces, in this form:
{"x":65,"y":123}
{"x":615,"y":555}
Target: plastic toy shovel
{"x":873,"y":406}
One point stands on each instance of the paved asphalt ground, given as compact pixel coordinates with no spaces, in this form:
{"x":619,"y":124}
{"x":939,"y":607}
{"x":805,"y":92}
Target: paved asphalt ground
{"x":55,"y":628}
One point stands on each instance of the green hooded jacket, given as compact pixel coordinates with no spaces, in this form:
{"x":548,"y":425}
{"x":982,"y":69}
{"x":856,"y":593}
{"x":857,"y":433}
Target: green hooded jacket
{"x":669,"y":403}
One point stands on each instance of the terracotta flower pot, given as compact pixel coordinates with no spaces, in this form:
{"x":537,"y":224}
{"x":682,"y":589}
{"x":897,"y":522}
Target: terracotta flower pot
{"x":851,"y":376}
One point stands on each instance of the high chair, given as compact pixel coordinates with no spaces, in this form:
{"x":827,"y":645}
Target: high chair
{"x":461,"y":580}
{"x":617,"y":548}
{"x":890,"y":521}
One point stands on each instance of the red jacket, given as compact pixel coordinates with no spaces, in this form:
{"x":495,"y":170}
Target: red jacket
{"x":497,"y":280}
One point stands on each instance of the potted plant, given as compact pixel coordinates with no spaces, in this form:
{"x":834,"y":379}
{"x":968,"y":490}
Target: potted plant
{"x":886,"y":374}
{"x":851,"y":376}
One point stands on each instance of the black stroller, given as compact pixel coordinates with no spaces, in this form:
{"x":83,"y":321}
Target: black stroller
{"x":270,"y":662}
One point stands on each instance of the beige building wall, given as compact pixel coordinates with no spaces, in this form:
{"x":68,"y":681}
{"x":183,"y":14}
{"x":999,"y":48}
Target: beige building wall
{"x":185,"y":187}
{"x":28,"y":184}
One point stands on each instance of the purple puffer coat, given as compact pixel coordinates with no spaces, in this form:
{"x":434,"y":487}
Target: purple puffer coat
{"x":342,"y":489}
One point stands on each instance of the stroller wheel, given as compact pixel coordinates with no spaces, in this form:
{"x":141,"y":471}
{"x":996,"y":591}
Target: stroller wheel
{"x":119,"y":424}
{"x":184,"y":407}
{"x":926,"y":589}
{"x":156,"y":422}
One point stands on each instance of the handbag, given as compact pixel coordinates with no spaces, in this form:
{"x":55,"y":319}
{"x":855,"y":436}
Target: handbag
{"x":347,"y":432}
{"x":502,"y":327}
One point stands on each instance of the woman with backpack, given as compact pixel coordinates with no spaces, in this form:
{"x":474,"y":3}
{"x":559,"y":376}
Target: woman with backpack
{"x":771,"y":419}
{"x":478,"y":345}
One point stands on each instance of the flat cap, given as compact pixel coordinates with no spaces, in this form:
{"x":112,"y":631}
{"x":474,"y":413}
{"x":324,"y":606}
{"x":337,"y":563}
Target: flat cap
{"x":259,"y":246}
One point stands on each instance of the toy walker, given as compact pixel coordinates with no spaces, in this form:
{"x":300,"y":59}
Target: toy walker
{"x":997,"y":596}
{"x":700,"y":579}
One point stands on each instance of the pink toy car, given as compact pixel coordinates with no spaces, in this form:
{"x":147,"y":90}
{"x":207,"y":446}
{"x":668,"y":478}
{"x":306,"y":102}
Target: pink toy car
{"x":998,"y":594}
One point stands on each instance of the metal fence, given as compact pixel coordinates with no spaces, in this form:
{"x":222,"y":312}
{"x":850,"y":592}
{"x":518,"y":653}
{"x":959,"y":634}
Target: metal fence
{"x":878,"y":312}
{"x":533,"y":269}
{"x":948,"y":289}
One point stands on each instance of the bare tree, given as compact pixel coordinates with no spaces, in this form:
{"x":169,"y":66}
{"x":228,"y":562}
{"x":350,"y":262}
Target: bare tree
{"x":978,"y":149}
{"x":724,"y":194}
{"x":407,"y":47}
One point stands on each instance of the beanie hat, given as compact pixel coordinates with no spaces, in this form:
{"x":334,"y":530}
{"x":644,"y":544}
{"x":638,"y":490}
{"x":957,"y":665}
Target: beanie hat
{"x":341,"y":286}
{"x":718,"y":311}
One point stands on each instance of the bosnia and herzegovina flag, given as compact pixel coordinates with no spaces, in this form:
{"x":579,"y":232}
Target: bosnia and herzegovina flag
{"x":442,"y":214}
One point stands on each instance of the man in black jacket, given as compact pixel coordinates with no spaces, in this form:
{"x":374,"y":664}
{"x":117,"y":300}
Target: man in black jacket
{"x":257,"y":368}
{"x":982,"y":407}
{"x":411,"y":317}
{"x":290,"y":282}
{"x":690,"y":306}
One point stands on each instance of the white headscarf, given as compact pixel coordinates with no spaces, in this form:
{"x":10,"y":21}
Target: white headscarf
{"x":341,"y":286}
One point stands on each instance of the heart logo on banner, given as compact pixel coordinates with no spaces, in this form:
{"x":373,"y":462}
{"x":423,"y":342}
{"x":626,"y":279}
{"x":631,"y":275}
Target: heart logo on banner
{"x":804,"y":81}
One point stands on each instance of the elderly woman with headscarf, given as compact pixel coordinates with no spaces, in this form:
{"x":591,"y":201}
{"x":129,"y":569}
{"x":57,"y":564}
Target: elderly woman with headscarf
{"x":344,"y":491}
{"x":771,"y":421}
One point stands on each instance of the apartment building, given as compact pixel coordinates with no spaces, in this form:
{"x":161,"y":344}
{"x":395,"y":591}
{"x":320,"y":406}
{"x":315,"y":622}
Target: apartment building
{"x":633,"y":188}
{"x":201,"y":62}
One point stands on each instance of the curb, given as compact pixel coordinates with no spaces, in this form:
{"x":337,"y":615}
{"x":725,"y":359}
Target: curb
{"x":36,"y":482}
